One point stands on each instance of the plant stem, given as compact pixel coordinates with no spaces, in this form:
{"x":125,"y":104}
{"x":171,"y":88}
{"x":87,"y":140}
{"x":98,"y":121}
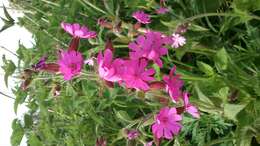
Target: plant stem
{"x":7,"y":95}
{"x":216,"y":14}
{"x":9,"y":51}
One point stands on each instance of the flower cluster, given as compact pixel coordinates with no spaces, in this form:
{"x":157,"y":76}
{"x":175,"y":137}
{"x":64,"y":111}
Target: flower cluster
{"x":133,"y":72}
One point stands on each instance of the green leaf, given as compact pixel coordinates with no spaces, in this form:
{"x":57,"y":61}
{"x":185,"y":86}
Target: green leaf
{"x":201,"y":96}
{"x":33,"y":140}
{"x":7,"y":15}
{"x":247,"y":5}
{"x":231,"y":110}
{"x":28,"y":121}
{"x":9,"y":68}
{"x":221,"y":59}
{"x":123,"y":116}
{"x":17,"y":134}
{"x":207,"y":69}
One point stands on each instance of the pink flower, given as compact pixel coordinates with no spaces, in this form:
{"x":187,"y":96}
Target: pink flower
{"x":162,"y":10}
{"x":78,"y":31}
{"x":132,"y":134}
{"x":70,"y":63}
{"x":109,"y":69}
{"x":149,"y":143}
{"x":166,"y":124}
{"x":178,"y":40}
{"x":141,"y":17}
{"x":40,"y":64}
{"x":189,"y":107}
{"x":150,"y":46}
{"x":173,"y":85}
{"x":89,"y":62}
{"x":136,"y":76}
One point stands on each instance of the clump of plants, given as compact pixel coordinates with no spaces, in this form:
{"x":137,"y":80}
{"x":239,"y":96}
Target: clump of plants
{"x":136,"y":72}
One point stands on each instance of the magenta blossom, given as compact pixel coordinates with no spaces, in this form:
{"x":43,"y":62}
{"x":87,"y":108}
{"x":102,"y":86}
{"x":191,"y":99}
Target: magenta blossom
{"x":173,"y":85}
{"x":189,"y":107}
{"x":132,"y":134}
{"x":142,"y":17}
{"x":78,"y":31}
{"x":109,"y":69}
{"x":70,"y":63}
{"x":178,"y":40}
{"x":166,"y":124}
{"x":136,"y":76}
{"x":150,"y":46}
{"x":162,"y":10}
{"x":40,"y":64}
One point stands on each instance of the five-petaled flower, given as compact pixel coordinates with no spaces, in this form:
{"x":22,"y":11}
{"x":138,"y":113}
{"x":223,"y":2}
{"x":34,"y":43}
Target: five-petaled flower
{"x":142,"y":17}
{"x":191,"y":109}
{"x":109,"y":69}
{"x":70,"y":63}
{"x":173,"y":84}
{"x":166,"y":123}
{"x":78,"y":31}
{"x":136,"y":76}
{"x":150,"y":46}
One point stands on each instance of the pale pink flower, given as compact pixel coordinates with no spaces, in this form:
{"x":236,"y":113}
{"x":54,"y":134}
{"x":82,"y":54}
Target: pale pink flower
{"x":136,"y":76}
{"x":150,"y":46}
{"x":108,"y":68}
{"x":166,"y":124}
{"x":189,"y":107}
{"x":89,"y":62}
{"x":70,"y":63}
{"x":178,"y":40}
{"x":132,"y":134}
{"x":162,"y":10}
{"x":142,"y":17}
{"x":173,"y":84}
{"x":78,"y":31}
{"x":149,"y":143}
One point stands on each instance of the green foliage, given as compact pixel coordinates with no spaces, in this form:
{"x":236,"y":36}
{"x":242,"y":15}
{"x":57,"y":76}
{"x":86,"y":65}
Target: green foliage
{"x":9,"y":68}
{"x":18,"y":133}
{"x":219,"y":64}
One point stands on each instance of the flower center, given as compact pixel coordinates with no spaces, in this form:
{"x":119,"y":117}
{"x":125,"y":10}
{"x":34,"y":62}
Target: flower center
{"x":164,"y":119}
{"x":73,"y":66}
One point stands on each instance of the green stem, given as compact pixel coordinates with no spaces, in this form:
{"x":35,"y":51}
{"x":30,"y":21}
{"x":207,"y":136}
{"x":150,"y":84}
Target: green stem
{"x":216,"y":14}
{"x":5,"y":95}
{"x":45,"y":31}
{"x":193,"y":78}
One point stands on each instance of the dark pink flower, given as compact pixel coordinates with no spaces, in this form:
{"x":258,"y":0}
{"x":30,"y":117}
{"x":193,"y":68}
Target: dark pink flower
{"x":178,"y":40}
{"x":149,"y":143}
{"x":173,"y":85}
{"x":166,"y":124}
{"x":162,"y":10}
{"x":142,"y":17}
{"x":189,"y":107}
{"x":70,"y":63}
{"x":150,"y":46}
{"x":136,"y":76}
{"x":78,"y":31}
{"x":109,"y":69}
{"x":40,"y":64}
{"x":132,"y":134}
